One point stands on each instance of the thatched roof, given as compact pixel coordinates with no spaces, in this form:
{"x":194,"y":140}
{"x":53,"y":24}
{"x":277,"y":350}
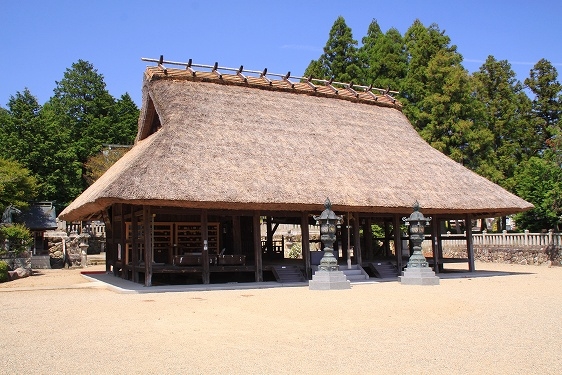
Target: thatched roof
{"x":222,"y":143}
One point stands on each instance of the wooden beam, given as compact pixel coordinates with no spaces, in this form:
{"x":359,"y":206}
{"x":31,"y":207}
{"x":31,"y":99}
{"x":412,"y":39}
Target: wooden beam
{"x":205,"y":246}
{"x":469,"y":242}
{"x":305,"y":235}
{"x":148,"y":250}
{"x":257,"y":246}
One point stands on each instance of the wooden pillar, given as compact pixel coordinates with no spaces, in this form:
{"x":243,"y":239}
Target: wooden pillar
{"x":386,"y":242}
{"x":148,"y":250}
{"x":345,"y":236}
{"x":357,"y":241}
{"x":368,"y":235}
{"x":257,"y":246}
{"x":435,"y":243}
{"x":123,"y":240}
{"x":269,"y":237}
{"x":236,"y":235}
{"x":305,"y":234}
{"x":205,"y":246}
{"x":397,"y":242}
{"x":469,"y":243}
{"x":134,"y":246}
{"x":109,"y":239}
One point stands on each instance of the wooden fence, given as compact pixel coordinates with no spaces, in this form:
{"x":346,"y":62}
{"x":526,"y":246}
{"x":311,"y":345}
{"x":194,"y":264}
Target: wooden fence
{"x":514,"y":240}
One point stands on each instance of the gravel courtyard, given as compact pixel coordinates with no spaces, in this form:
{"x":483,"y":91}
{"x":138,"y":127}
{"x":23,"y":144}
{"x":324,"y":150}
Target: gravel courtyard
{"x":59,"y":322}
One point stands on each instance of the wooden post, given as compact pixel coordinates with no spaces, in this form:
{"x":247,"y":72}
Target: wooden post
{"x":236,"y":235}
{"x":135,"y":246}
{"x":435,"y":243}
{"x":469,"y":243}
{"x":368,"y":235}
{"x":109,"y":240}
{"x":257,"y":246}
{"x":123,"y":239}
{"x":204,"y":245}
{"x":269,"y":238}
{"x":357,"y":241}
{"x":148,"y":250}
{"x":397,"y":242}
{"x":386,"y":242}
{"x":305,"y":235}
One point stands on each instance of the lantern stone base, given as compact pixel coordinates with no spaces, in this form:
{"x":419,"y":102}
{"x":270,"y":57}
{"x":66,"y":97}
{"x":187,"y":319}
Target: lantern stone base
{"x":328,"y":280}
{"x":419,"y":276}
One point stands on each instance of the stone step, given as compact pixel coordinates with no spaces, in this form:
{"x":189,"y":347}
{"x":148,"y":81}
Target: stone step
{"x":288,"y":274}
{"x":355,"y":273}
{"x":384,"y":269}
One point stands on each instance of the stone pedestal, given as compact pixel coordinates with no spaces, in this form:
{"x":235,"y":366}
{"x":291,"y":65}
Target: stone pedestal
{"x":328,"y":280}
{"x":419,"y":276}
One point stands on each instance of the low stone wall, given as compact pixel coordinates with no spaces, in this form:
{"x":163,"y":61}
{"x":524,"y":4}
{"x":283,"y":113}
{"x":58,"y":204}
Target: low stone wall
{"x":502,"y":254}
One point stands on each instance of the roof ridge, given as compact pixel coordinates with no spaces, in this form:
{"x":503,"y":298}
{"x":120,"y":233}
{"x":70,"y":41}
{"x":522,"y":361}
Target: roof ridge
{"x":261,"y":79}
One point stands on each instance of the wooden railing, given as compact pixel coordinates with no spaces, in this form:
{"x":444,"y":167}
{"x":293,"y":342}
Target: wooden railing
{"x":93,"y":228}
{"x":515,"y":240}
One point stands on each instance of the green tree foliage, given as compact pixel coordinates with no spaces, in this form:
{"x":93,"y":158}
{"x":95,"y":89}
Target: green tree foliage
{"x":29,"y":137}
{"x":125,"y":116}
{"x":383,"y":58}
{"x":19,"y":238}
{"x":547,"y":103}
{"x":84,"y":117}
{"x":339,"y":60}
{"x":503,"y":110}
{"x":55,"y":140}
{"x":539,"y":181}
{"x":17,"y":185}
{"x":4,"y":275}
{"x":424,"y":44}
{"x":83,"y":105}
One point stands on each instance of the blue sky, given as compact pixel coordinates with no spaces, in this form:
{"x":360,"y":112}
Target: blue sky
{"x":40,"y":39}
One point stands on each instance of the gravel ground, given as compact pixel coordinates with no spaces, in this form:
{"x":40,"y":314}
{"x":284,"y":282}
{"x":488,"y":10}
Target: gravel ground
{"x":59,"y":322}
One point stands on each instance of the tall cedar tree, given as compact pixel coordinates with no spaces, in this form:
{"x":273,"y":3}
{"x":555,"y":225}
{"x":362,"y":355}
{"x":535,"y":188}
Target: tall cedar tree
{"x":547,"y":103}
{"x":502,"y":112}
{"x":88,"y":117}
{"x":339,"y":60}
{"x":26,"y":137}
{"x":383,"y":58}
{"x":422,"y":45}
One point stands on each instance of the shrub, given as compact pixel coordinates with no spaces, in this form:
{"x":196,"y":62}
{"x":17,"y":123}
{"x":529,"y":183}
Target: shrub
{"x":3,"y":272}
{"x":18,"y":236}
{"x":296,"y":251}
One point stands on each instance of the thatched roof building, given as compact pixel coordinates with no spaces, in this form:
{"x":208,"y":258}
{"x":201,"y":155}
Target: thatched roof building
{"x":225,"y":144}
{"x":234,"y":142}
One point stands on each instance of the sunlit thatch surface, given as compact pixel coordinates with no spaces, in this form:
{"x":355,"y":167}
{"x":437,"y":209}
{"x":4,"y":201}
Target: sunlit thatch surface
{"x":226,"y":144}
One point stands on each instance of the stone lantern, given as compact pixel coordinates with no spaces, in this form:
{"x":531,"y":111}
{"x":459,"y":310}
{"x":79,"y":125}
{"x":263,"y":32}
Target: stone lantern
{"x":328,"y":221}
{"x":84,"y":249}
{"x":328,"y":275}
{"x":417,"y":271}
{"x":416,"y":224}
